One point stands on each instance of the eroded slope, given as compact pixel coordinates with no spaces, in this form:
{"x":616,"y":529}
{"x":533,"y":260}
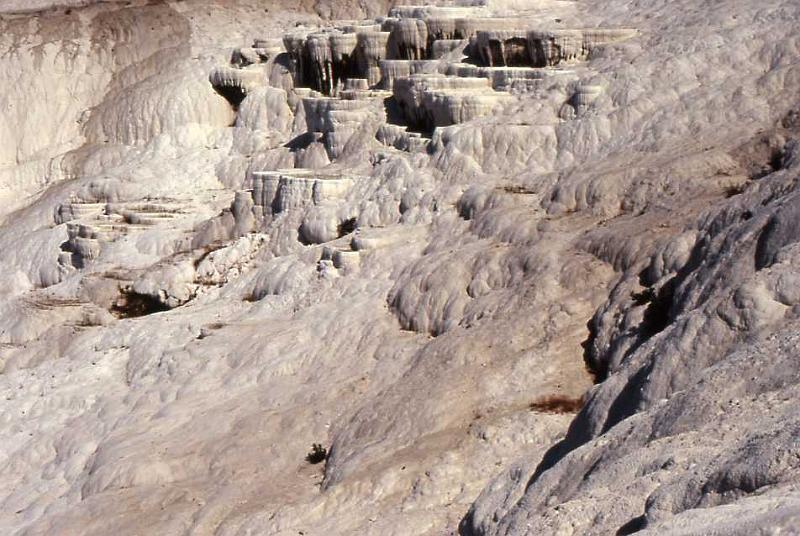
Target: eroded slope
{"x":404,"y":239}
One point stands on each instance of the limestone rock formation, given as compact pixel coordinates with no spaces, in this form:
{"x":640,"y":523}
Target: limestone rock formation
{"x":462,"y":267}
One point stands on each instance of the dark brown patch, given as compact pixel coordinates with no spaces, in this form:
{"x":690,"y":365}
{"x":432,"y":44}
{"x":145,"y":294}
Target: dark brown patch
{"x":517,"y":190}
{"x":557,"y":404}
{"x":203,"y":252}
{"x":133,"y":305}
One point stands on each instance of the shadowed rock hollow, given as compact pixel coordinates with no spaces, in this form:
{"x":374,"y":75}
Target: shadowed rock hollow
{"x":505,"y":267}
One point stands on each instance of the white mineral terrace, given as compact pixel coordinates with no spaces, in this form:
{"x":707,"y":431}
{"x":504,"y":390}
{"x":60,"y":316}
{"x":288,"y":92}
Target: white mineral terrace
{"x":347,"y":267}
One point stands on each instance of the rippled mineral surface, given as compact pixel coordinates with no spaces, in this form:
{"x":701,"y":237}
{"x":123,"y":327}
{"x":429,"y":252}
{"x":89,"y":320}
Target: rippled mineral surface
{"x":344,"y":267}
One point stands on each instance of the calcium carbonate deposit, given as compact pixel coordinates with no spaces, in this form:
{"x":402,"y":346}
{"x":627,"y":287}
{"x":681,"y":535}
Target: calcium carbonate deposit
{"x":344,"y":267}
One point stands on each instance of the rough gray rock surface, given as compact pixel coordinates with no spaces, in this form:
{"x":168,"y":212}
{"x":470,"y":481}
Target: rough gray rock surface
{"x":539,"y":285}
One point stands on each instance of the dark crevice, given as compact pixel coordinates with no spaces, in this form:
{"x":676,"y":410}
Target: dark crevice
{"x":510,"y":53}
{"x":773,"y":163}
{"x":301,"y":142}
{"x":284,"y":60}
{"x":763,"y":257}
{"x":644,"y":297}
{"x":633,"y":526}
{"x":345,"y":70}
{"x":776,"y":159}
{"x":628,"y":400}
{"x":395,"y":115}
{"x":596,"y":367}
{"x":75,"y":259}
{"x":234,"y":95}
{"x":347,"y":227}
{"x":657,"y":315}
{"x":301,"y":237}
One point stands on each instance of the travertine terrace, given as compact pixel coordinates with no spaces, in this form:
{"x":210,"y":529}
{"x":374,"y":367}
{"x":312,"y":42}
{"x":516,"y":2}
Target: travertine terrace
{"x":518,"y":266}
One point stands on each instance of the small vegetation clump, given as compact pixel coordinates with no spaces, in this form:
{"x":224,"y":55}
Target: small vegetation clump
{"x":557,"y":404}
{"x":317,"y":455}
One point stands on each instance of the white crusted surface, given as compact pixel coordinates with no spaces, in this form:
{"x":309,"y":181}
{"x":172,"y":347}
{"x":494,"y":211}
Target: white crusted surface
{"x":416,"y":312}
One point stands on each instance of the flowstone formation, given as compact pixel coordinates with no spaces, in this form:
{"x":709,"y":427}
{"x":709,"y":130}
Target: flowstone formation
{"x":420,"y":68}
{"x":466,"y":267}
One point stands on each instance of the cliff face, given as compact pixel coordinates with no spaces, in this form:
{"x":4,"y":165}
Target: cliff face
{"x":520,"y":268}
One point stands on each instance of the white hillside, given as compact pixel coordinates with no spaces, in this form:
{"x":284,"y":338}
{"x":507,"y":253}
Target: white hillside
{"x":518,"y":267}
